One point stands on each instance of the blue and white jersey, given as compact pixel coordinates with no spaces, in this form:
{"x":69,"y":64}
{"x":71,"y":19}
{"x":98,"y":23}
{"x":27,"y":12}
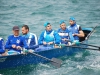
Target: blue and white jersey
{"x":65,"y":34}
{"x":2,"y":46}
{"x":75,"y":30}
{"x":14,"y":40}
{"x":49,"y":36}
{"x":31,"y":40}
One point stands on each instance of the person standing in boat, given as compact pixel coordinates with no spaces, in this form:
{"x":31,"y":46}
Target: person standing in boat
{"x":2,"y":47}
{"x":65,"y":34}
{"x":29,"y":38}
{"x":75,"y":29}
{"x":14,"y":42}
{"x":49,"y":37}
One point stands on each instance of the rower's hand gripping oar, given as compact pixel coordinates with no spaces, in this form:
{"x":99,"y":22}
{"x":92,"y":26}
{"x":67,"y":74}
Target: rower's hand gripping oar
{"x":56,"y":62}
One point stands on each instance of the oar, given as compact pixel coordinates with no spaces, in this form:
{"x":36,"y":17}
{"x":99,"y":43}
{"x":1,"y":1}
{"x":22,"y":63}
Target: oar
{"x":91,"y":45}
{"x":90,"y":33}
{"x":56,"y":62}
{"x":85,"y":48}
{"x":77,"y":43}
{"x":79,"y":47}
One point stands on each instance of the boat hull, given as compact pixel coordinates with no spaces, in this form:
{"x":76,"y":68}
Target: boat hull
{"x":24,"y":59}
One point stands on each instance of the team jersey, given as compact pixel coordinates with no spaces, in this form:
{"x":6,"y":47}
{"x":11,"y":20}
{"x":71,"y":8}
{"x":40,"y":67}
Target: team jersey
{"x":31,"y":41}
{"x":75,"y":30}
{"x":65,"y":34}
{"x":14,"y":40}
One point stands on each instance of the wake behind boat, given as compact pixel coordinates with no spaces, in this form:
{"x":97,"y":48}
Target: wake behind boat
{"x":21,"y":59}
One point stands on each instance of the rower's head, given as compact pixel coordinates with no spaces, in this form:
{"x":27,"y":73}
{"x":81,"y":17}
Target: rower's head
{"x":72,"y":20}
{"x":62,"y":24}
{"x":25,"y":29}
{"x":15,"y":30}
{"x":47,"y":26}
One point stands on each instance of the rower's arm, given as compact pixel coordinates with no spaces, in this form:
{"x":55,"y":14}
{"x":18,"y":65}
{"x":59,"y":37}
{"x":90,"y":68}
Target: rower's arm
{"x":81,"y":34}
{"x":57,"y":38}
{"x":41,"y":38}
{"x":35,"y":39}
{"x":7,"y":45}
{"x":71,"y":38}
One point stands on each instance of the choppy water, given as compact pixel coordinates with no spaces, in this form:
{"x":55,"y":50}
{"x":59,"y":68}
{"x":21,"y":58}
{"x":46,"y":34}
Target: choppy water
{"x":35,"y":12}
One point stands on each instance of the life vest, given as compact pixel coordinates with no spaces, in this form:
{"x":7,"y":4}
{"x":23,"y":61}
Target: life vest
{"x":49,"y":37}
{"x":75,"y":30}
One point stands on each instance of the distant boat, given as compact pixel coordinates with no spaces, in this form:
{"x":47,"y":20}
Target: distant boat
{"x":21,"y":59}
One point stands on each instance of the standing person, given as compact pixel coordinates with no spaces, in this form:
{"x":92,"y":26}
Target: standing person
{"x":29,"y":38}
{"x":2,"y":47}
{"x":65,"y":34}
{"x":75,"y":29}
{"x":49,"y":37}
{"x":14,"y":42}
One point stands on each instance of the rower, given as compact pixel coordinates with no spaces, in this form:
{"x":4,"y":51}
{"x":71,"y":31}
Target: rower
{"x":29,"y":38}
{"x":65,"y":34}
{"x":75,"y":29}
{"x":49,"y":37}
{"x":14,"y":42}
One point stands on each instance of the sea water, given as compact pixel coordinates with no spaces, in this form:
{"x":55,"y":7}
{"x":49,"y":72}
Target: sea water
{"x":35,"y":13}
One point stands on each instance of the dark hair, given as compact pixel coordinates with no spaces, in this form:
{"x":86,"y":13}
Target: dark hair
{"x":26,"y":27}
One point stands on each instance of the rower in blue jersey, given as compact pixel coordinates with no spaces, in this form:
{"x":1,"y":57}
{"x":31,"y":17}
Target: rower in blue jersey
{"x":29,"y":38}
{"x":49,"y":37}
{"x":2,"y":47}
{"x":65,"y":34}
{"x":14,"y":42}
{"x":75,"y":29}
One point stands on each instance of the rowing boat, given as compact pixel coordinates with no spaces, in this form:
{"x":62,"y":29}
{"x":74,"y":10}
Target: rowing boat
{"x":29,"y":58}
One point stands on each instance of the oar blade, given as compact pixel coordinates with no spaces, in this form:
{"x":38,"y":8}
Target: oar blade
{"x":56,"y":62}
